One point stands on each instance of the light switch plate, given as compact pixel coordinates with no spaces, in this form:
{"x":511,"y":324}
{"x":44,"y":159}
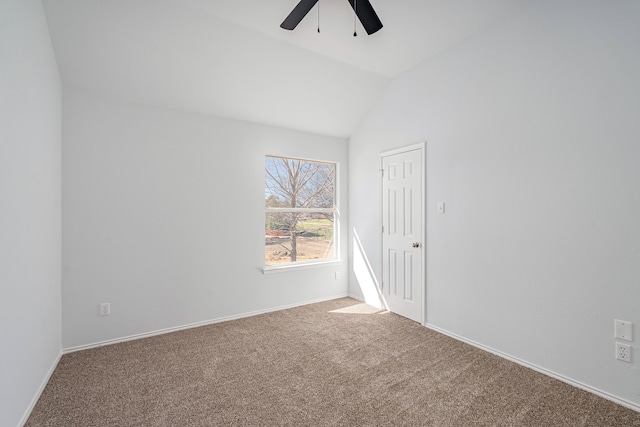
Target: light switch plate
{"x":623,"y":330}
{"x":441,"y":207}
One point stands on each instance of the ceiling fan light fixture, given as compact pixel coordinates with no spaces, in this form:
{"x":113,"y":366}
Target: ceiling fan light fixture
{"x":362,"y":9}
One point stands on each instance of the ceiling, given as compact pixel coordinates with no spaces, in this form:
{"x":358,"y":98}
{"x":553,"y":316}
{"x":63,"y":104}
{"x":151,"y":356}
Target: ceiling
{"x":230,"y":58}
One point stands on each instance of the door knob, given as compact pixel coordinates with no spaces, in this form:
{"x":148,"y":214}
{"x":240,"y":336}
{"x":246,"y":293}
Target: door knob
{"x":416,"y":245}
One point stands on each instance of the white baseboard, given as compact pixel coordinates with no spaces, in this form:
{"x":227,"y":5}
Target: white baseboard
{"x":362,"y":300}
{"x":357,"y":298}
{"x":195,"y":325}
{"x":44,"y":383}
{"x":541,"y":370}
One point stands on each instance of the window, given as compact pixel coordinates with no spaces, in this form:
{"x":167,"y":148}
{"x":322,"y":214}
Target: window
{"x":300,"y":208}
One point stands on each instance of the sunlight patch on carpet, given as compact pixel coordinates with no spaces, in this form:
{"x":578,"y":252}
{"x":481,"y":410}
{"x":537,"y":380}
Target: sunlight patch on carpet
{"x":358,"y":309}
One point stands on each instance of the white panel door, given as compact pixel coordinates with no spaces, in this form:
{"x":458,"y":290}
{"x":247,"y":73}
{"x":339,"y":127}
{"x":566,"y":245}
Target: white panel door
{"x":402,"y":246}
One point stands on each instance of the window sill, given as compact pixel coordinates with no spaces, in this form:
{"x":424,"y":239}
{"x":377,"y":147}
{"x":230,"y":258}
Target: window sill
{"x":293,"y":267}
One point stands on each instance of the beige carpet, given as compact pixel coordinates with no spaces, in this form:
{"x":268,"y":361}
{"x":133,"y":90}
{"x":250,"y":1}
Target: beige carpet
{"x":337,"y":363}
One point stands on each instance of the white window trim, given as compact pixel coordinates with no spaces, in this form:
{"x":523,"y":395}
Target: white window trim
{"x":301,"y":210}
{"x":336,"y":260}
{"x":300,"y":265}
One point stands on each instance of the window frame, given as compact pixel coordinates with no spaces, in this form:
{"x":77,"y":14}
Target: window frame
{"x":306,"y":264}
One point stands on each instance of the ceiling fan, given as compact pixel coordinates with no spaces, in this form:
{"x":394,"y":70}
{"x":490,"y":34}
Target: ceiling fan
{"x":362,"y":8}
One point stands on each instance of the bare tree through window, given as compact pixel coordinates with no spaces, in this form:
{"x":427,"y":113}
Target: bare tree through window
{"x":300,"y":210}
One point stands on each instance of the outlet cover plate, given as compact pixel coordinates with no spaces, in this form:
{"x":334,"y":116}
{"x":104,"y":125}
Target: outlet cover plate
{"x":623,"y":330}
{"x":105,"y":309}
{"x":623,"y":352}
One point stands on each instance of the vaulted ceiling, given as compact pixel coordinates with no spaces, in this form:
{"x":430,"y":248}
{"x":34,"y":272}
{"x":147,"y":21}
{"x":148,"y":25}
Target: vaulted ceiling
{"x":230,"y":58}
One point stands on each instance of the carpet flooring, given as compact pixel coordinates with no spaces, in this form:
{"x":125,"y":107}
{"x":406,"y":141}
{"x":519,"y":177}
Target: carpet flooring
{"x":336,"y":363}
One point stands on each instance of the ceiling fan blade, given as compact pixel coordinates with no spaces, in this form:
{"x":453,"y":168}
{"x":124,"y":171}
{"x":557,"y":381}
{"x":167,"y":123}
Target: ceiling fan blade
{"x":298,"y":12}
{"x":366,"y":15}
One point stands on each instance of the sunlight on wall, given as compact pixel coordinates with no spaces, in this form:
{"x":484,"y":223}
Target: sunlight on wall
{"x":365,"y":275}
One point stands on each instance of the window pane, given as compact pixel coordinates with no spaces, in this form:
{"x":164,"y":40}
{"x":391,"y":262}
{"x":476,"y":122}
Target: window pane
{"x":292,"y":237}
{"x":293,"y":183}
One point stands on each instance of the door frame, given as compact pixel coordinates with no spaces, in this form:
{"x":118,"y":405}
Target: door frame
{"x":422,"y":147}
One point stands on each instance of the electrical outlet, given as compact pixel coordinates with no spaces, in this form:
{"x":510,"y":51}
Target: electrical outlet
{"x":105,"y":309}
{"x":623,"y":352}
{"x":337,"y":276}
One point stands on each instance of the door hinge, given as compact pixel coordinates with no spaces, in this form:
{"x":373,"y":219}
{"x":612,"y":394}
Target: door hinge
{"x":382,"y":172}
{"x":383,"y":228}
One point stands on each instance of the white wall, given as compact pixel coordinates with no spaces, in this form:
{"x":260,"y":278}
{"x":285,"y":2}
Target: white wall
{"x":163,"y":217}
{"x":532,"y":141}
{"x":30,"y":117}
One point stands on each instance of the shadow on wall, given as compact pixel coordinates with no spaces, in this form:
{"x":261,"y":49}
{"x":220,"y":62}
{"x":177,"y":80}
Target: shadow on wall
{"x":365,"y":276}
